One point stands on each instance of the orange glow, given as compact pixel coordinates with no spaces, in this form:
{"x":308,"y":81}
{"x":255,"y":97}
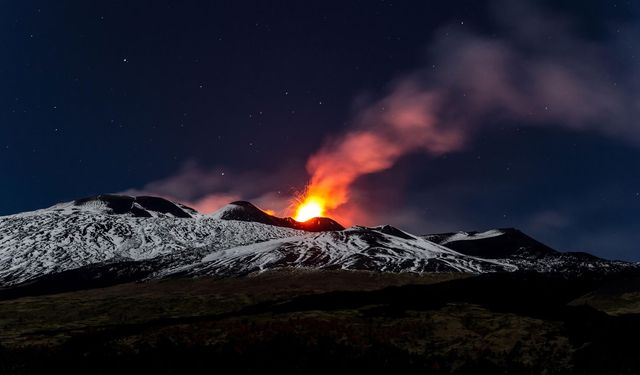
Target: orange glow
{"x":309,"y":208}
{"x":270,"y":212}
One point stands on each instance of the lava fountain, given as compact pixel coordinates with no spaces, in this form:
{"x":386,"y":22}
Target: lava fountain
{"x":309,"y":208}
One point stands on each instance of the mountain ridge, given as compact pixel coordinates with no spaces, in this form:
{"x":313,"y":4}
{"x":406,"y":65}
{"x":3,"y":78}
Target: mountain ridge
{"x":246,"y":211}
{"x":142,"y":238}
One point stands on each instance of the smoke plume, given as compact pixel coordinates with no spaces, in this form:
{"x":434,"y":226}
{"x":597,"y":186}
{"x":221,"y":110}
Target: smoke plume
{"x":541,"y":73}
{"x":535,"y":69}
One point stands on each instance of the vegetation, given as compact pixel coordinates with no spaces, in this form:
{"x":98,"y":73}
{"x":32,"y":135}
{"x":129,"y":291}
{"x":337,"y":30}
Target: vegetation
{"x":324,"y":321}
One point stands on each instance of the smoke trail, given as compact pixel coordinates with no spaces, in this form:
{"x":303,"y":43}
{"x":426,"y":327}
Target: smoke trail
{"x":543,"y":73}
{"x":402,"y":122}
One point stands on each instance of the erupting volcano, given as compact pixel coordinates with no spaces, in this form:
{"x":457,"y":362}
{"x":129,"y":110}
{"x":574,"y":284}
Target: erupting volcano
{"x":309,"y":208}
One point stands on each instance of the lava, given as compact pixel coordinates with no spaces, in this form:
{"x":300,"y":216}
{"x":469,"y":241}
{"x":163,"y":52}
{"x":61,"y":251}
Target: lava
{"x":309,"y":208}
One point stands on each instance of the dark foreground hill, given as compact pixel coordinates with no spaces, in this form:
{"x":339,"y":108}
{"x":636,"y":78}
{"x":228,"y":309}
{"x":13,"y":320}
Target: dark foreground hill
{"x":330,"y":322}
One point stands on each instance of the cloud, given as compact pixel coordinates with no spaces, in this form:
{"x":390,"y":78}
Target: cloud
{"x":208,"y":189}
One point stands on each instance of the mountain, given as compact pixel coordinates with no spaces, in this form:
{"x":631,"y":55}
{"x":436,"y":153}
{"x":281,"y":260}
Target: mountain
{"x":514,"y":247}
{"x":245,"y":211}
{"x":248,"y":292}
{"x":115,"y":238}
{"x":492,"y":244}
{"x":110,"y":229}
{"x":142,"y":206}
{"x":356,"y":248}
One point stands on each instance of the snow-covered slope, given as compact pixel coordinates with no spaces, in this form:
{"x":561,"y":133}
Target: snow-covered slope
{"x":513,"y":247}
{"x":172,"y":238}
{"x":159,"y":238}
{"x":73,"y":235}
{"x":356,"y":248}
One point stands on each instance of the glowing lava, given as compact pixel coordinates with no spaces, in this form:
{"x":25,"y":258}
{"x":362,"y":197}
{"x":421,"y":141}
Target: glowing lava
{"x":311,"y":207}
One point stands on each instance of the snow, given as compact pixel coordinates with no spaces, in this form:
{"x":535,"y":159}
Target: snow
{"x":67,"y":236}
{"x":224,"y":210}
{"x":354,"y":248}
{"x":465,"y":236}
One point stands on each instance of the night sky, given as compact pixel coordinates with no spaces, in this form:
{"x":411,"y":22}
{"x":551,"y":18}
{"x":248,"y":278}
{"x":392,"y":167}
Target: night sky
{"x":211,"y":101}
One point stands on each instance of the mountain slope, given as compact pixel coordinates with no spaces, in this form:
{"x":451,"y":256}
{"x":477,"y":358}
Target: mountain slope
{"x":245,"y":211}
{"x":513,"y":247}
{"x":142,"y":206}
{"x":121,"y":238}
{"x":357,"y":248}
{"x":493,"y":244}
{"x":72,"y":235}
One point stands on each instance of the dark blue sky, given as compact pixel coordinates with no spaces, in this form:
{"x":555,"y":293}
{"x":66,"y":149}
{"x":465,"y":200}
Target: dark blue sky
{"x":107,"y":96}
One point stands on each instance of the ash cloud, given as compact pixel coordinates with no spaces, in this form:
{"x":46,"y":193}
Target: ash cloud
{"x":208,"y":189}
{"x":539,"y":72}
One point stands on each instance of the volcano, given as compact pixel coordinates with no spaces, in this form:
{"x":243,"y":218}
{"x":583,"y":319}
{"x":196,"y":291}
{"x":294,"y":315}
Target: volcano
{"x":118,"y":280}
{"x":143,"y":238}
{"x":245,"y":211}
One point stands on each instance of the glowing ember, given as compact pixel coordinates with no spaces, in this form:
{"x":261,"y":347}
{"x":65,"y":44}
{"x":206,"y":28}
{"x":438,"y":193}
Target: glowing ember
{"x":311,"y":207}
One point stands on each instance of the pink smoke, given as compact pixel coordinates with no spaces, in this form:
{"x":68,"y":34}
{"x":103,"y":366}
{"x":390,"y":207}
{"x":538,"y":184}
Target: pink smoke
{"x":471,"y":82}
{"x":400,"y":123}
{"x":539,"y":72}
